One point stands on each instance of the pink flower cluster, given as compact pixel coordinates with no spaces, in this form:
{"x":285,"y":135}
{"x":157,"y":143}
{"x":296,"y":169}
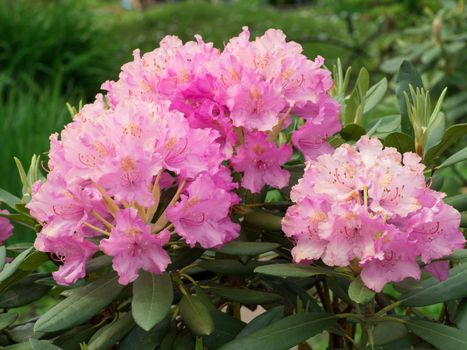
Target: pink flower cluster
{"x":247,"y":93}
{"x":369,"y":207}
{"x":154,"y":157}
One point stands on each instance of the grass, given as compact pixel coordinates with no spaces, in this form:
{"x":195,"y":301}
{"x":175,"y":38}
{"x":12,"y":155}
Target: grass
{"x":27,"y":120}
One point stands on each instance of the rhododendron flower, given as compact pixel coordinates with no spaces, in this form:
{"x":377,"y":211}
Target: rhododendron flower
{"x":72,"y":251}
{"x":260,"y":161}
{"x":172,"y":127}
{"x":6,"y":228}
{"x":133,"y":247}
{"x":370,"y":204}
{"x":202,"y":215}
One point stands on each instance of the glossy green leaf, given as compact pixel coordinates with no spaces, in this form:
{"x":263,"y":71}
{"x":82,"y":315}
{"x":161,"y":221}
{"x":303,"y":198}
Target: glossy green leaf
{"x":184,"y":256}
{"x":2,"y":257}
{"x":457,"y":157}
{"x":295,"y":270}
{"x":111,"y":333}
{"x":407,"y":75}
{"x":264,"y":220}
{"x":458,"y":201}
{"x":72,"y":339}
{"x":460,"y":254}
{"x":10,"y":268}
{"x":42,"y":345}
{"x":152,"y":299}
{"x":81,"y":305}
{"x":263,"y":320}
{"x":24,"y":291}
{"x":9,"y":199}
{"x":375,"y":94}
{"x":352,"y":132}
{"x":246,"y":296}
{"x":169,"y":337}
{"x":435,"y":132}
{"x":388,"y":332}
{"x":195,"y":315}
{"x":139,"y":339}
{"x":248,"y":248}
{"x":385,"y":126}
{"x":461,"y":315}
{"x":284,"y":333}
{"x":7,"y":319}
{"x":432,"y":291}
{"x":229,"y":266}
{"x":401,"y":141}
{"x":226,"y":328}
{"x":451,"y":136}
{"x":359,"y":293}
{"x":441,"y":336}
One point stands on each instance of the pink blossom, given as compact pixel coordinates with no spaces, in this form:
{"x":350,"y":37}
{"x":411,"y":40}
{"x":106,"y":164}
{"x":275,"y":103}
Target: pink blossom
{"x":260,"y":161}
{"x":371,"y":205}
{"x":133,"y":247}
{"x":439,"y":269}
{"x":202,"y":215}
{"x":6,"y":228}
{"x":72,"y":251}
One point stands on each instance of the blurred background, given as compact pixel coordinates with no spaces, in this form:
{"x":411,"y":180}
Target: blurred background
{"x":58,"y":51}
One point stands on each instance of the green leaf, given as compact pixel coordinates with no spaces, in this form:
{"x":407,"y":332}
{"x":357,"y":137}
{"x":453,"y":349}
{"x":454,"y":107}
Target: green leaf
{"x":248,"y":248}
{"x":359,"y":293}
{"x":263,"y":320}
{"x":9,"y":199}
{"x":352,"y":132}
{"x":388,"y":332}
{"x":432,"y":291}
{"x":460,"y":254}
{"x":375,"y":94}
{"x":461,"y":315}
{"x":458,"y":201}
{"x":401,"y":141}
{"x":385,"y":126}
{"x":264,"y":220}
{"x":441,"y":336}
{"x":226,"y":328}
{"x":81,"y":305}
{"x":7,"y":319}
{"x":229,"y":266}
{"x":295,"y":270}
{"x":407,"y":75}
{"x":139,"y":339}
{"x":110,"y":334}
{"x":435,"y":132}
{"x":246,"y":296}
{"x":24,"y":291}
{"x":184,"y":256}
{"x":42,"y":345}
{"x":152,"y":299}
{"x":452,"y":135}
{"x":169,"y":337}
{"x":284,"y":333}
{"x":195,"y":315}
{"x":2,"y":257}
{"x":457,"y":157}
{"x":71,"y":339}
{"x":11,"y":268}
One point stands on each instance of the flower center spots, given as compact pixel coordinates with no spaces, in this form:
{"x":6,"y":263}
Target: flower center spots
{"x":127,"y":165}
{"x":132,"y":130}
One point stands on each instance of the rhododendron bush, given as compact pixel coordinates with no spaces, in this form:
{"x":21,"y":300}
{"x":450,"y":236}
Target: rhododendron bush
{"x":208,"y":183}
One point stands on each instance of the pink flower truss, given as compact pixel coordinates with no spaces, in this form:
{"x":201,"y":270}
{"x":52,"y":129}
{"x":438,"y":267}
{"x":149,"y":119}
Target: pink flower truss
{"x":370,"y":204}
{"x":250,"y":88}
{"x":171,"y":130}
